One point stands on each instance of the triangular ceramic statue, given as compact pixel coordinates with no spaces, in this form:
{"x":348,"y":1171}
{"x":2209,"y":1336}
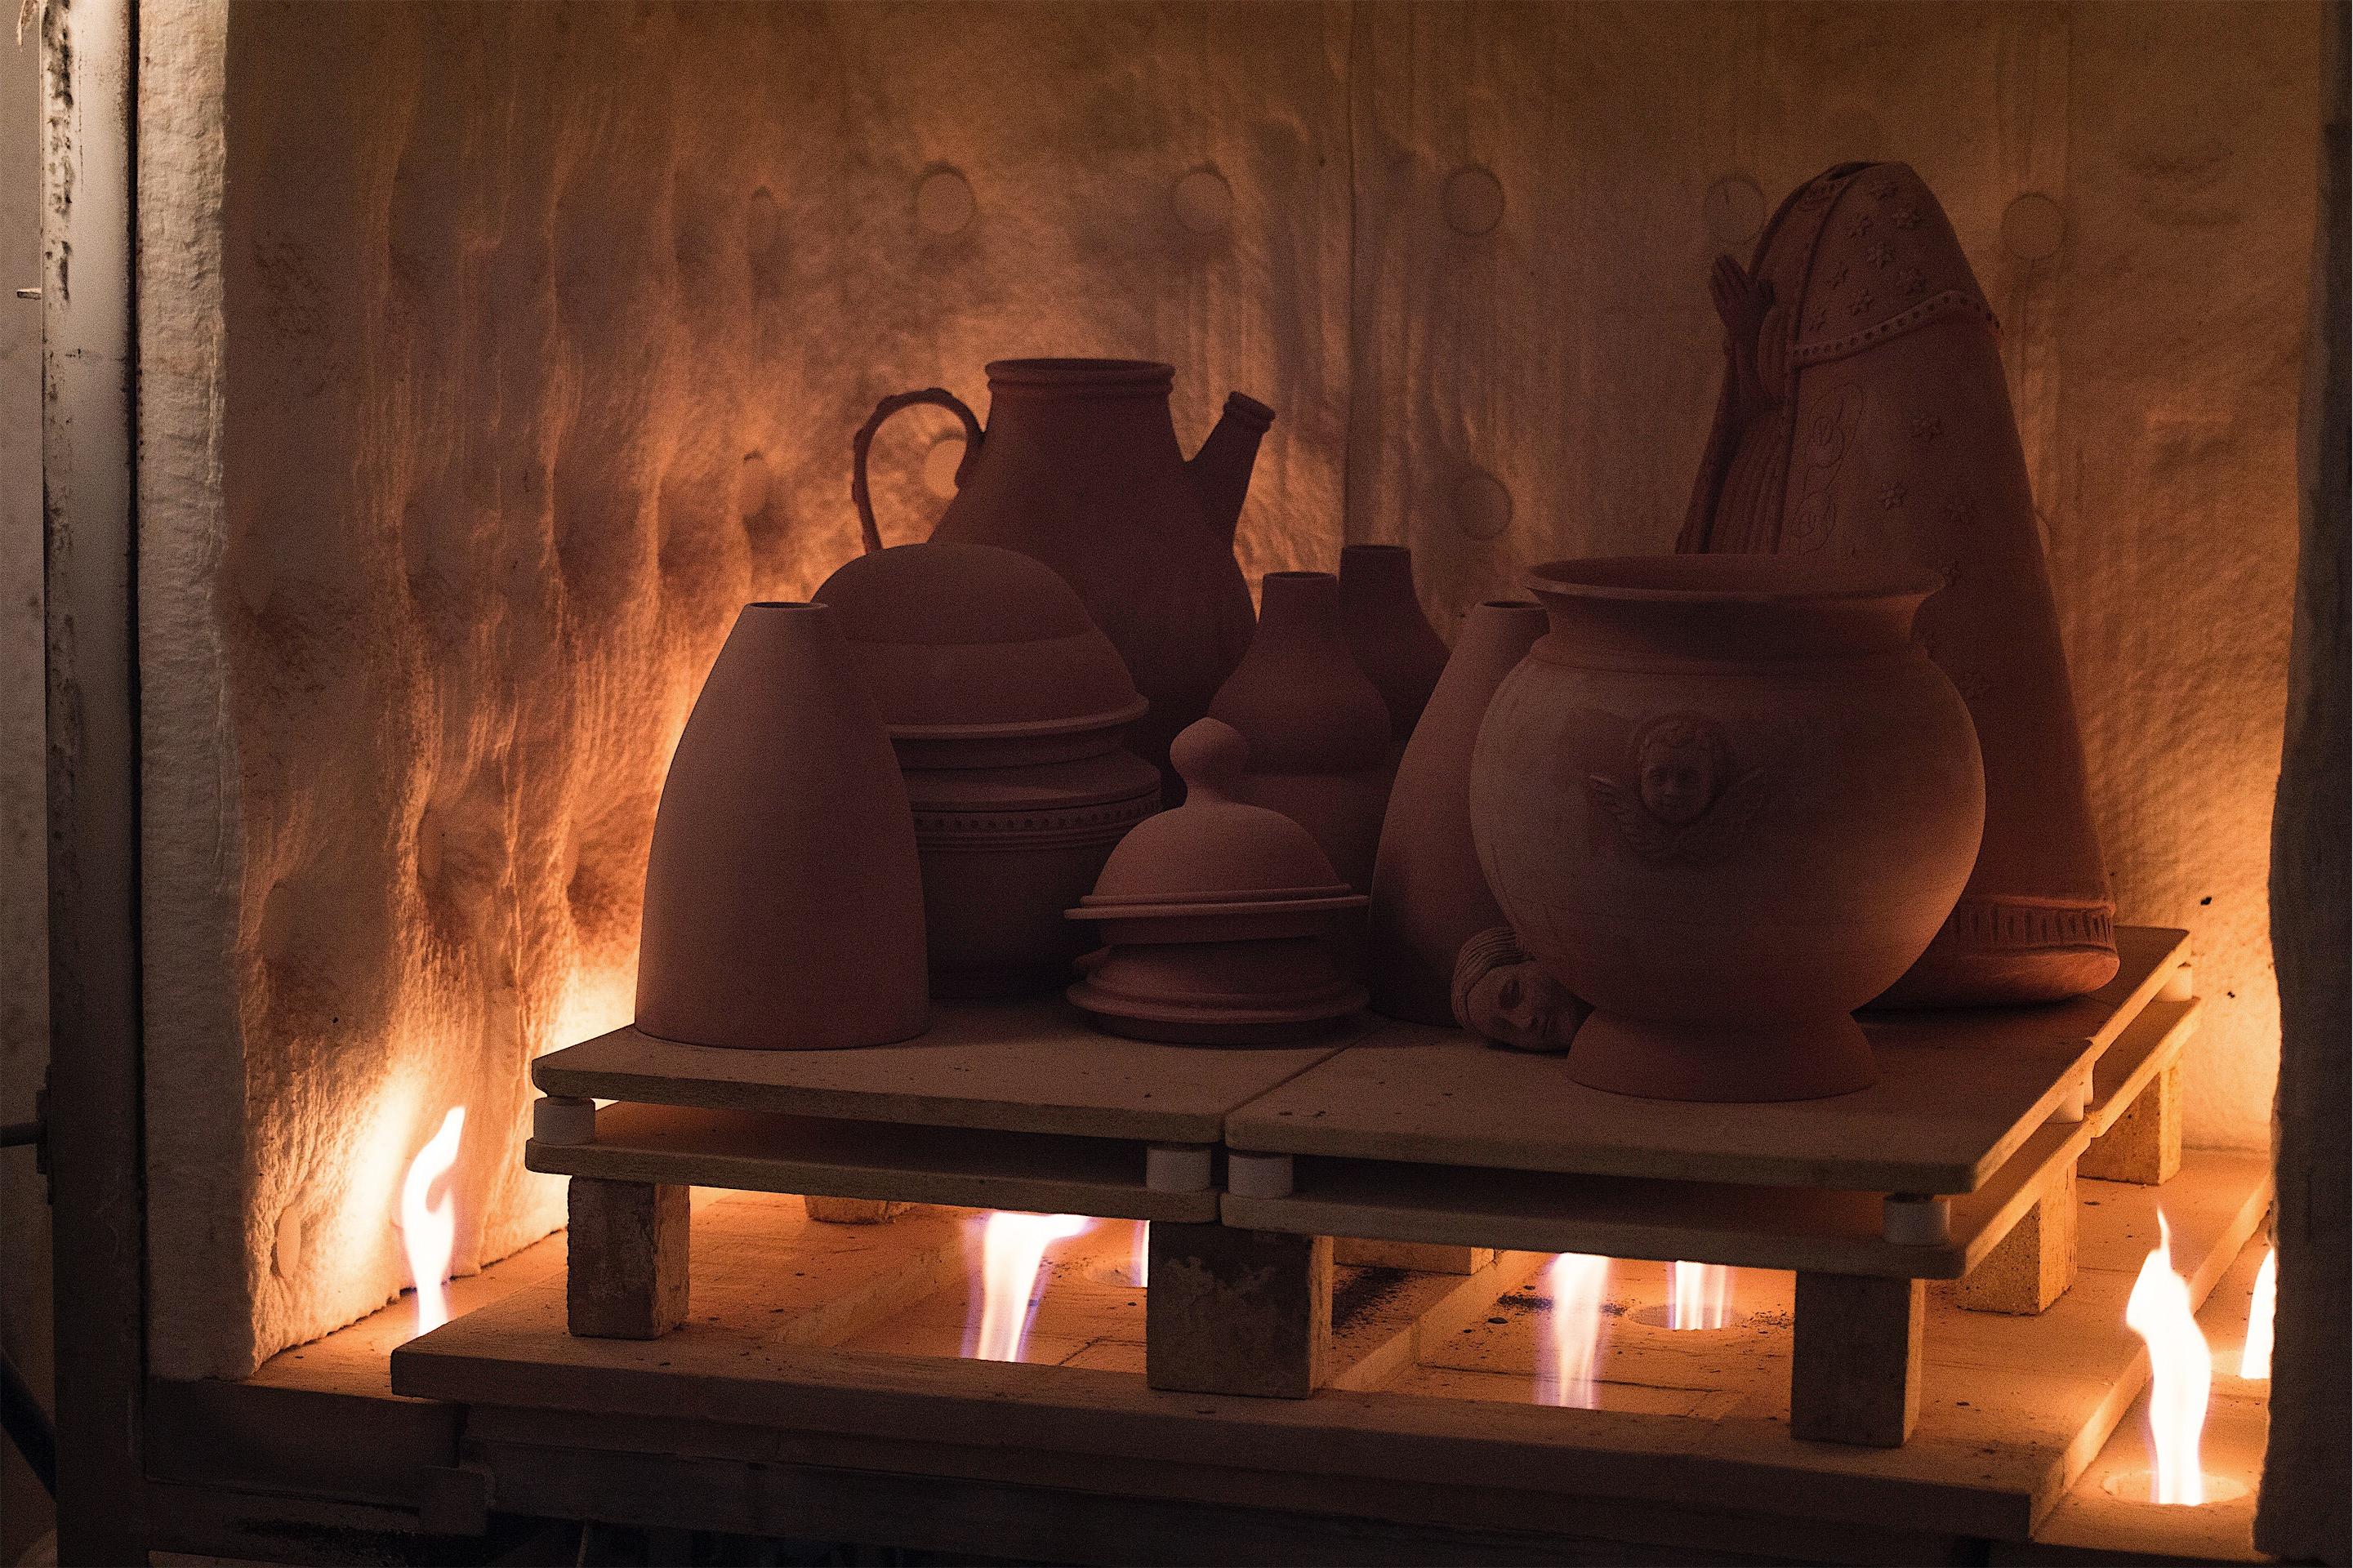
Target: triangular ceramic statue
{"x":1864,"y":416}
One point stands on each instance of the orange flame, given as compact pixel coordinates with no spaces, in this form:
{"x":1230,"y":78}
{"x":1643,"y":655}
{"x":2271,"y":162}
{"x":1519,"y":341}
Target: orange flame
{"x":2255,"y":1360}
{"x":1569,"y":1354}
{"x":2181,"y":1369}
{"x":428,"y":1231}
{"x":1702,"y":1297}
{"x":1012,"y":1245}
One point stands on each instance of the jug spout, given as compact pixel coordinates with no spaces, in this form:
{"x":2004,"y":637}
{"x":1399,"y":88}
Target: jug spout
{"x":1221,"y":468}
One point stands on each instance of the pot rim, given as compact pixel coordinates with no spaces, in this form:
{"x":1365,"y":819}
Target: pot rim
{"x":1726,"y":578}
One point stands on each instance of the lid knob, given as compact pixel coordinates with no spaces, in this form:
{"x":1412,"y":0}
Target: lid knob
{"x":1210,"y":755}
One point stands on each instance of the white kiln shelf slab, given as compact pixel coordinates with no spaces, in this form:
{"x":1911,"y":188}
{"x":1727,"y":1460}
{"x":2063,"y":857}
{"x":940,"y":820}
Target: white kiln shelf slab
{"x":1007,"y":1067}
{"x":757,"y":1152}
{"x":1960,"y":1093}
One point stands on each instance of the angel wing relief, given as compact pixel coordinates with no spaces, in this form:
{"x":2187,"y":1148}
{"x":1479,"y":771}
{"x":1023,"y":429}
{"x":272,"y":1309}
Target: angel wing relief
{"x":1685,"y":802}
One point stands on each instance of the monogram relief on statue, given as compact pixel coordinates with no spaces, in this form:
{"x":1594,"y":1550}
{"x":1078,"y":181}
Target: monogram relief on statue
{"x":1682,"y":806}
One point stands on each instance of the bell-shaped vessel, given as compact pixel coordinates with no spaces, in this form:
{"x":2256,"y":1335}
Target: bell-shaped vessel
{"x":783,"y":910}
{"x":1320,"y":751}
{"x":1080,"y":468}
{"x":1429,"y":895}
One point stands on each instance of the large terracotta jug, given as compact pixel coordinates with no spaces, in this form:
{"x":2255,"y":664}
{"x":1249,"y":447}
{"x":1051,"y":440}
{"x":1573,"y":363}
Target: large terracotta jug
{"x":784,"y":908}
{"x":1079,"y":467}
{"x":1864,"y":417}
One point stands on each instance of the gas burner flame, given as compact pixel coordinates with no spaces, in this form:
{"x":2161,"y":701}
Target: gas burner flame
{"x":2255,"y":1360}
{"x":429,"y":1230}
{"x":1570,"y":1350}
{"x":2180,"y":1370}
{"x":1700,"y":1296}
{"x":1012,"y":1246}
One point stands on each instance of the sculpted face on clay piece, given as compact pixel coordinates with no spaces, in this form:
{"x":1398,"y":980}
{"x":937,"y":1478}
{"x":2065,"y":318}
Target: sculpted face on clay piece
{"x":1727,"y":800}
{"x":1864,"y":417}
{"x":1080,"y":468}
{"x":1503,"y":996}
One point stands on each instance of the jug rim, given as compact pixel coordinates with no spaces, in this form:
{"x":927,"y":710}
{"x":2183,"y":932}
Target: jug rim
{"x":1727,"y":578}
{"x":1090,"y":374}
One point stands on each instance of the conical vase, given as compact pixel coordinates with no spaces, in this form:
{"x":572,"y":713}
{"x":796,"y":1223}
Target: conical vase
{"x":783,"y":908}
{"x":1320,"y":751}
{"x":1389,"y":637}
{"x":1430,"y":896}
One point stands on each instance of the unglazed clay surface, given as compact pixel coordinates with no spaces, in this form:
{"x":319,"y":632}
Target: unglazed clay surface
{"x":491,"y":357}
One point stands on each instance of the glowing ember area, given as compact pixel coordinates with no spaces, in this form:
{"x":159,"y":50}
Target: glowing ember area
{"x":1569,"y":1352}
{"x":1012,"y":1245}
{"x":2180,"y":1370}
{"x":2255,"y":1360}
{"x":428,"y":1220}
{"x":1700,"y":1296}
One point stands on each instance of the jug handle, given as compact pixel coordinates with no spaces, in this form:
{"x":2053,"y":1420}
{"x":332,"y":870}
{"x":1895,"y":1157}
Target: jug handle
{"x":865,"y":438}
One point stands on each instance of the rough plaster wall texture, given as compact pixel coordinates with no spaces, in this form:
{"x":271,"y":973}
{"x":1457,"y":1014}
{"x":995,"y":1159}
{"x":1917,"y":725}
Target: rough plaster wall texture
{"x":1540,"y":190}
{"x":546,"y":328}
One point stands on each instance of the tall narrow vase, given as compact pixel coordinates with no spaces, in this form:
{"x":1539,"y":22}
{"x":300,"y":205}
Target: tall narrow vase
{"x":783,"y":910}
{"x":1430,"y":896}
{"x":1320,"y":751}
{"x":1389,"y":637}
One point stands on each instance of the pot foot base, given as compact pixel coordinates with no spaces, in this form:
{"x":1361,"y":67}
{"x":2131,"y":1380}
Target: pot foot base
{"x":1812,"y":1060}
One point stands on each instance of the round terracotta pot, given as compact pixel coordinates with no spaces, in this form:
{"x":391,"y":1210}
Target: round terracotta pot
{"x":783,"y":910}
{"x":1006,"y":707}
{"x":1320,"y":747}
{"x":1728,"y":800}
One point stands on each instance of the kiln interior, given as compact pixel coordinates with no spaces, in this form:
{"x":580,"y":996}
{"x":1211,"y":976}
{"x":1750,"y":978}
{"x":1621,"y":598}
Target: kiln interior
{"x":491,"y":358}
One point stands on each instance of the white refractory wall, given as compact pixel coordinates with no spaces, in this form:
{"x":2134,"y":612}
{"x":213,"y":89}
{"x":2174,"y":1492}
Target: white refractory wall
{"x":492,"y":355}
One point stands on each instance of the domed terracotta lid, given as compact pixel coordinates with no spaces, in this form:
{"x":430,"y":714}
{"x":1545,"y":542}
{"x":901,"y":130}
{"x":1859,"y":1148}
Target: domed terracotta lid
{"x":970,"y":642}
{"x":1215,"y":855}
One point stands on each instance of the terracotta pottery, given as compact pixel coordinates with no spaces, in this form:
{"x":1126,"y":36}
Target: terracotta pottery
{"x":1508,"y":999}
{"x":1006,"y":706}
{"x":783,"y":910}
{"x":1864,"y":417}
{"x":1318,"y":732}
{"x":1080,"y":468}
{"x":1429,"y":894}
{"x":1390,"y":640}
{"x":1727,"y":800}
{"x":1220,"y":916}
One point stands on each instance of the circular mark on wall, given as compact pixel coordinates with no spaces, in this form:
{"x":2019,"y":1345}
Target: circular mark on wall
{"x":944,"y":201}
{"x":2034,"y":227}
{"x":1482,"y":507}
{"x":1473,"y":201}
{"x":940,"y":465}
{"x":1204,"y":202}
{"x":1733,"y":210}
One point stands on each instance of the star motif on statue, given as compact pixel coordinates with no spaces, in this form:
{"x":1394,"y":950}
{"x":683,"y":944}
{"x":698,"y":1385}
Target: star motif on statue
{"x":1949,"y":571}
{"x":1818,"y":320}
{"x":1880,"y":254}
{"x":1892,"y":497}
{"x":1862,"y":304}
{"x":1959,"y":510}
{"x":1861,"y":226}
{"x":1913,"y":283}
{"x":1928,"y":428}
{"x":1907,"y":216}
{"x":1886,"y":191}
{"x":1838,"y":279}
